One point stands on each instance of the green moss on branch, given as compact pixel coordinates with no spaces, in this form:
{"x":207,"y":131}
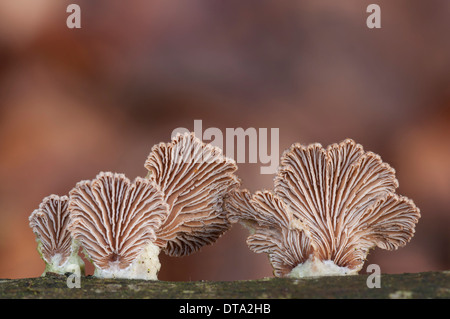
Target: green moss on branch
{"x":409,"y":285}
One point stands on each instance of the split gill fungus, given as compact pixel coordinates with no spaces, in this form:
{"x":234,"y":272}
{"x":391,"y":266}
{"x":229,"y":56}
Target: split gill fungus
{"x":122,"y":226}
{"x":115,"y":221}
{"x":55,"y":244}
{"x":328,"y":208}
{"x":195,"y":179}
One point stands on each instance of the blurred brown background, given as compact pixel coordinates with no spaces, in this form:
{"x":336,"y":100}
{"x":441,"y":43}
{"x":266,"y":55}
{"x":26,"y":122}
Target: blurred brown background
{"x":77,"y":102}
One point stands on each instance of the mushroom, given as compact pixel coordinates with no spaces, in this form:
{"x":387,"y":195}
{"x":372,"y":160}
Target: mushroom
{"x":55,"y":245}
{"x":195,"y":178}
{"x":115,"y":222}
{"x":329,"y":207}
{"x":274,"y":230}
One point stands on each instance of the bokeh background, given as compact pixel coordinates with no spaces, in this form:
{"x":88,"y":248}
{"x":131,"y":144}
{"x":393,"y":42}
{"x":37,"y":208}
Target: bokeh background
{"x":77,"y":102}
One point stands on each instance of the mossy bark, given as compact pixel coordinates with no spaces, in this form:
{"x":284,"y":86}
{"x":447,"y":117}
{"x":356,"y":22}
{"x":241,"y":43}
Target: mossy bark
{"x":408,"y":285}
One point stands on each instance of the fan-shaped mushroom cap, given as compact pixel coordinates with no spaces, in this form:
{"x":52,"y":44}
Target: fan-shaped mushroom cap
{"x":344,"y":198}
{"x":55,"y":245}
{"x":274,"y":229}
{"x":115,"y":221}
{"x":195,"y":178}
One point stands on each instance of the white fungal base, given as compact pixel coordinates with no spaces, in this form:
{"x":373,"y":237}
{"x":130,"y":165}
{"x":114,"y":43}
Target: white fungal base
{"x":315,"y":267}
{"x":74,"y":264}
{"x":146,"y":266}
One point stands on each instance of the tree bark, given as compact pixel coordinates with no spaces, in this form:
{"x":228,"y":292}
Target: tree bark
{"x":408,"y":285}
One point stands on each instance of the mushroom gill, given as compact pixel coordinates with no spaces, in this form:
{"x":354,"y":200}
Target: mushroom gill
{"x":50,"y":225}
{"x":341,"y":200}
{"x":195,"y":178}
{"x":115,"y":222}
{"x":274,"y":230}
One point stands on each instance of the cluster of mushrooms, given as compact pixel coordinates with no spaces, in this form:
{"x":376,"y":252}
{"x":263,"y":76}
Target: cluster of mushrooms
{"x":327,"y":209}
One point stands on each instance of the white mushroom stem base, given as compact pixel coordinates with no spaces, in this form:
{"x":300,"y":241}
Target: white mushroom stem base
{"x":315,"y":267}
{"x":73,"y":264}
{"x":146,"y":266}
